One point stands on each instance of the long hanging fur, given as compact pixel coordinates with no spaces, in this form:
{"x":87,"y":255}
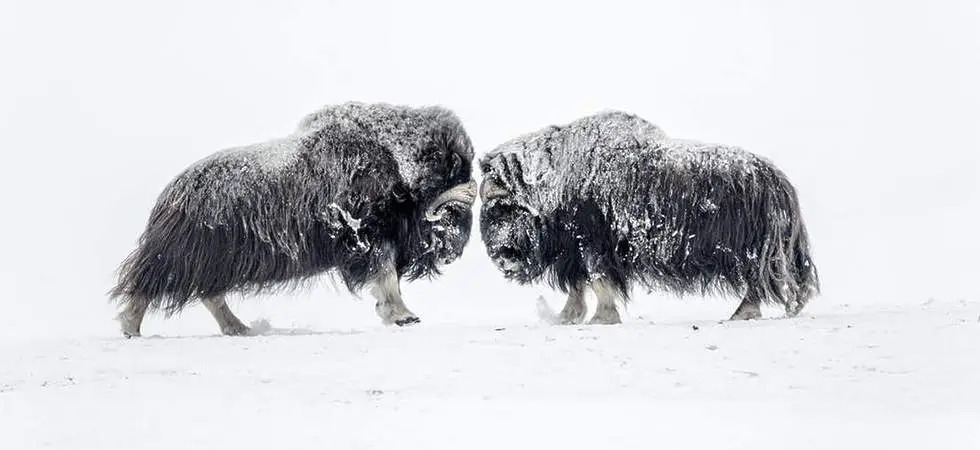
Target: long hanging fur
{"x":610,"y":195}
{"x":345,"y":191}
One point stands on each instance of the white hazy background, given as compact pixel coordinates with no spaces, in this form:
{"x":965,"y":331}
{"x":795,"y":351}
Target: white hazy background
{"x":872,"y":109}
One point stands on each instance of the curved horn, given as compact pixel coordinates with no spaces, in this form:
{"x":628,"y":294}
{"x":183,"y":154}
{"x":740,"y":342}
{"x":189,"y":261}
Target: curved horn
{"x":490,"y":190}
{"x":463,"y":193}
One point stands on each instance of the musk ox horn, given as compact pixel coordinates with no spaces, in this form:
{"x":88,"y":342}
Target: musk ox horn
{"x":490,"y":190}
{"x":464,"y":193}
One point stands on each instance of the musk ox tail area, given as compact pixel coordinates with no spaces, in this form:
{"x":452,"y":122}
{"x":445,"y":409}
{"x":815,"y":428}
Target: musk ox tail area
{"x":178,"y":261}
{"x":145,"y":277}
{"x":786,"y":272}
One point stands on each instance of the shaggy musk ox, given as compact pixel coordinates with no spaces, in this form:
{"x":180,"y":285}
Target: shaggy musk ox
{"x":374,"y":192}
{"x":609,"y":200}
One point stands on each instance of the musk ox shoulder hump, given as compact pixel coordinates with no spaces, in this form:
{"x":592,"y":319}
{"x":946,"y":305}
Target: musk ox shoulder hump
{"x":612,"y":128}
{"x":408,"y":133}
{"x":539,"y":167}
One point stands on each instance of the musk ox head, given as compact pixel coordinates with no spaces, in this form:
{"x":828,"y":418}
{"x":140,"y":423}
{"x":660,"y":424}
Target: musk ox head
{"x":512,"y":235}
{"x":527,"y":179}
{"x":448,"y":222}
{"x":517,"y":182}
{"x":447,"y":189}
{"x":449,"y":204}
{"x":434,"y":158}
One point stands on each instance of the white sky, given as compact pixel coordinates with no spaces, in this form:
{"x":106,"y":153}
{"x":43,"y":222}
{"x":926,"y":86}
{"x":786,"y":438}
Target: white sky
{"x":872,"y":109}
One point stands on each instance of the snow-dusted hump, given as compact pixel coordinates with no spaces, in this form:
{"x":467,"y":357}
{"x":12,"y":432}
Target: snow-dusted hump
{"x":409,"y":133}
{"x":598,"y":155}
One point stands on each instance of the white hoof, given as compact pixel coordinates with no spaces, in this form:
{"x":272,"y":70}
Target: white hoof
{"x":747,"y":311}
{"x":572,"y":314}
{"x":235,"y":329}
{"x":399,"y":315}
{"x":129,"y":325}
{"x":793,"y":308}
{"x":606,"y":316}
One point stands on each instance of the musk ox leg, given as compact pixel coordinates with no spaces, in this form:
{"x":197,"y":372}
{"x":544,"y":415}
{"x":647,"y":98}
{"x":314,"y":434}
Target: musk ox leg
{"x":229,"y":324}
{"x":131,"y":317}
{"x":800,"y":299}
{"x":793,"y":308}
{"x":606,"y":294}
{"x":749,"y":308}
{"x":388,"y":296}
{"x":574,"y":311}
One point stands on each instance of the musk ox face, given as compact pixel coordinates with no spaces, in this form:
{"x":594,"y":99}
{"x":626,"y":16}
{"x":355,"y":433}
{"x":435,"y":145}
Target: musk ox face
{"x":512,"y":235}
{"x":449,"y":196}
{"x":433,"y":156}
{"x":450,"y":232}
{"x":512,"y":230}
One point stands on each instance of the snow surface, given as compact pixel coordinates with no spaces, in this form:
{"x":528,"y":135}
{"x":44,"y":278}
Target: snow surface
{"x":836,"y":377}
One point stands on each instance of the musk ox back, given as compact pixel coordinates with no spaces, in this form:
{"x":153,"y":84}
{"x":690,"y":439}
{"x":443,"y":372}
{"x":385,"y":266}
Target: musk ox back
{"x":374,"y":192}
{"x":609,"y":200}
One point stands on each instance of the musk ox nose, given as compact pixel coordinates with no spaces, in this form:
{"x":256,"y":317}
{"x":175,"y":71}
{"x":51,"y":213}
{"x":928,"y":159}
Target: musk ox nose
{"x":507,"y":259}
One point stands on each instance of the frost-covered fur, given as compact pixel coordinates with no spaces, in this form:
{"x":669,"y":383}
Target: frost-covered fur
{"x":611,"y":198}
{"x":348,"y":190}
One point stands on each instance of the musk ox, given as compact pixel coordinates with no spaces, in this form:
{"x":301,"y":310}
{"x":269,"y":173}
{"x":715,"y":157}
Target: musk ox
{"x":609,"y":201}
{"x":373,"y":192}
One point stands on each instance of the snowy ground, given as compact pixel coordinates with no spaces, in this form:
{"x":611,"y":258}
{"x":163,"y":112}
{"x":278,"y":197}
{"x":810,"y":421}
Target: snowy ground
{"x":837,"y":377}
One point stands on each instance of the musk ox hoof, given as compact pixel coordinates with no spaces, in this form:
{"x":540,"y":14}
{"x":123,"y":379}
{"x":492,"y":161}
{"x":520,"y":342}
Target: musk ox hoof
{"x":746,"y":315}
{"x":131,"y":318}
{"x":395,"y":313}
{"x":412,"y":320}
{"x":572,"y":315}
{"x":571,"y":320}
{"x":131,"y":334}
{"x":129,"y":327}
{"x":747,"y":312}
{"x":793,"y":308}
{"x":235,"y":329}
{"x":606,"y":316}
